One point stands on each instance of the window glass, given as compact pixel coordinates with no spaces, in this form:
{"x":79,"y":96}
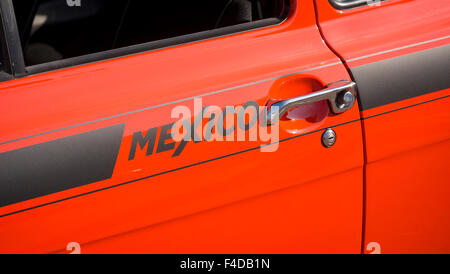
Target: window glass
{"x":53,"y":30}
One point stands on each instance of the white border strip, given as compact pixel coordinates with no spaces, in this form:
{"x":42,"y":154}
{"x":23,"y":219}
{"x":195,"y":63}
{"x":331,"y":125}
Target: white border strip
{"x":396,"y":49}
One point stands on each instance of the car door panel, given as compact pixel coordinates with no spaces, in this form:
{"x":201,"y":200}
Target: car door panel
{"x":272,"y":222}
{"x":304,"y":197}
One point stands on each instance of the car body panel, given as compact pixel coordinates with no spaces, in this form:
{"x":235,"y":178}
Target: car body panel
{"x":398,"y":54}
{"x":301,"y":198}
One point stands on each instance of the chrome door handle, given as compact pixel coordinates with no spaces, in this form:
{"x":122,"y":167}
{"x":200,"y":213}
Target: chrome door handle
{"x":340,"y":95}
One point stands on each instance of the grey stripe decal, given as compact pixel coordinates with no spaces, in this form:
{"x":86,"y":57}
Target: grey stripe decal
{"x":59,"y":165}
{"x":176,"y":169}
{"x":210,"y":160}
{"x":402,"y":77}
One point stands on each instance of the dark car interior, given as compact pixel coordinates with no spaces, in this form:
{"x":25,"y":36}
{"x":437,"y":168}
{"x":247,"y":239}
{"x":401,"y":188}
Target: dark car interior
{"x":53,"y":30}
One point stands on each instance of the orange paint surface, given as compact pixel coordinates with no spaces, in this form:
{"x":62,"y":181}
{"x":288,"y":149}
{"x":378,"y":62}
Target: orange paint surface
{"x":406,"y":142}
{"x":225,"y":195}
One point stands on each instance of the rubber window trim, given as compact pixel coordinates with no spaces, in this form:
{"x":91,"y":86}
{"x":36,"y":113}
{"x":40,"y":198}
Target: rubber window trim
{"x":12,"y":47}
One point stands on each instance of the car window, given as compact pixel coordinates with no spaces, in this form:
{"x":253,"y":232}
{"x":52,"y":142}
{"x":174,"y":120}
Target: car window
{"x":52,"y":30}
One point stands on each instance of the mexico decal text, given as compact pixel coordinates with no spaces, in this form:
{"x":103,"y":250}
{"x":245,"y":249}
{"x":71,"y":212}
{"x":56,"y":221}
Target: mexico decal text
{"x":245,"y":123}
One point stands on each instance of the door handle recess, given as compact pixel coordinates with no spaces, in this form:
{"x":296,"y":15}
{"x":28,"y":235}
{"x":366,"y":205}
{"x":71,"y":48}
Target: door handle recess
{"x":341,"y":96}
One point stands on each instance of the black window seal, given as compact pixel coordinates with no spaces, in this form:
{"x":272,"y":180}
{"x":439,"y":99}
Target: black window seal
{"x":140,"y":48}
{"x":5,"y":67}
{"x":344,"y":5}
{"x":12,"y":45}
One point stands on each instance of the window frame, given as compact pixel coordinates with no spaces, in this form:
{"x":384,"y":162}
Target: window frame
{"x":19,"y":69}
{"x":11,"y":46}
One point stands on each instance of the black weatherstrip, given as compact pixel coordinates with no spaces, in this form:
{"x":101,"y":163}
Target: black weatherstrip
{"x":59,"y":165}
{"x":399,"y":78}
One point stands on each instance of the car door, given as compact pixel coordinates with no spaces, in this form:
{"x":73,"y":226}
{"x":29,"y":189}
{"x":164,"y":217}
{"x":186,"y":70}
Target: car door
{"x":398,"y":53}
{"x":87,"y":155}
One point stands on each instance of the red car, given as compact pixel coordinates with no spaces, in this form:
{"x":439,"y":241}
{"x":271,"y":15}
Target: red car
{"x":359,"y":162}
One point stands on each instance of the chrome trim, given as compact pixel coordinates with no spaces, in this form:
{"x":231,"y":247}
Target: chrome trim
{"x":329,"y":138}
{"x":336,"y":94}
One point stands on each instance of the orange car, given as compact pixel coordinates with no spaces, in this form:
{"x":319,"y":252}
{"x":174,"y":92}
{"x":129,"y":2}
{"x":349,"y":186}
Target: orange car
{"x":353,"y":97}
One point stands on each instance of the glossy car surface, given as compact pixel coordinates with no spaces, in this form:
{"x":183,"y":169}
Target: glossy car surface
{"x":67,"y":137}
